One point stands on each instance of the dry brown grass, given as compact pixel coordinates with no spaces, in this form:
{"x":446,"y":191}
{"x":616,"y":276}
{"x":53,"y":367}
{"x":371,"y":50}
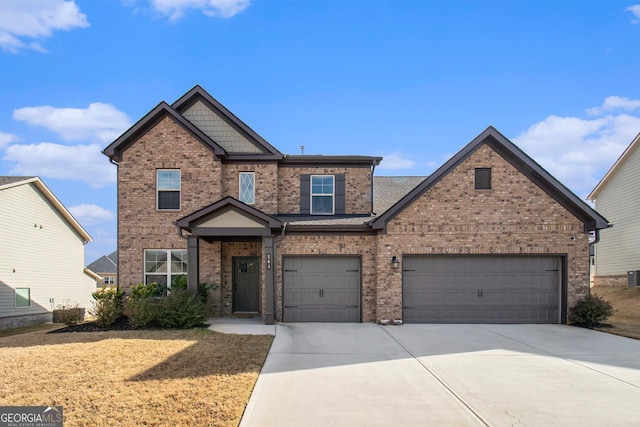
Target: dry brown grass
{"x":626,"y":303}
{"x":134,"y":378}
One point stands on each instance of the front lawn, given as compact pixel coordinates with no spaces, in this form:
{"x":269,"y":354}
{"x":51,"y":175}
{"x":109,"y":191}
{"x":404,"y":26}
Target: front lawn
{"x":131,"y":378}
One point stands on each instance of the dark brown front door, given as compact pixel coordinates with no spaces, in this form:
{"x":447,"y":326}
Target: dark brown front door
{"x":246,"y":284}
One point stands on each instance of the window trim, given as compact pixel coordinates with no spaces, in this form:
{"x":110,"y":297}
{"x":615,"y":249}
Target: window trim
{"x":169,"y":275}
{"x":253,"y":189}
{"x":15,"y":299}
{"x":483,"y":179}
{"x":158,"y":190}
{"x":332,"y":195}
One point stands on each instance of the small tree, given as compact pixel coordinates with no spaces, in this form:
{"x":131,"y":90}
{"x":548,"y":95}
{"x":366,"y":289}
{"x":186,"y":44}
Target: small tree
{"x":591,"y":311}
{"x":108,"y":304}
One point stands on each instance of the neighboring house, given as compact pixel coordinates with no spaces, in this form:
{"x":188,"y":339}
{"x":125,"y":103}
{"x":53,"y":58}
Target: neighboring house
{"x":106,"y":268}
{"x":489,"y":237}
{"x":41,"y":255}
{"x":617,"y":196}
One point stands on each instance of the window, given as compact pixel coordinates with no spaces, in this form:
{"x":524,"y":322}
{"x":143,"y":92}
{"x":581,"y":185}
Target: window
{"x":164,"y":266}
{"x":483,"y":178}
{"x":23,"y":297}
{"x":322,"y":192}
{"x":247,"y":190}
{"x":168,"y":185}
{"x":108,"y":280}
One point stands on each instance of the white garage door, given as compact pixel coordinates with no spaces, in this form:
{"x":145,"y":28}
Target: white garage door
{"x":481,"y":289}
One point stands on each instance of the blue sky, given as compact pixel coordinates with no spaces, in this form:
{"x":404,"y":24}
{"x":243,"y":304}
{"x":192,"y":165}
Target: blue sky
{"x":412,"y":81}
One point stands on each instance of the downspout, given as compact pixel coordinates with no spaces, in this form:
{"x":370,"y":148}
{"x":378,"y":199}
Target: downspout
{"x":373,"y":169}
{"x":273,"y":270}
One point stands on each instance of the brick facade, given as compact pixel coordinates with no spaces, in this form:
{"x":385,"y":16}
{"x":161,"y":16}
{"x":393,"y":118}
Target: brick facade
{"x":357,"y":187}
{"x":514,"y":217}
{"x":140,"y":225}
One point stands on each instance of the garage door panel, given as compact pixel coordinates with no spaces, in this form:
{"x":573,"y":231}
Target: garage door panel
{"x":482,"y":289}
{"x":321,"y":289}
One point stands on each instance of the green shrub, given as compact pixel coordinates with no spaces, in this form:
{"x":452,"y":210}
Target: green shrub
{"x":143,"y":306}
{"x":181,"y":310}
{"x":179,"y":282}
{"x":67,"y":313}
{"x":591,"y":311}
{"x":108,"y":305}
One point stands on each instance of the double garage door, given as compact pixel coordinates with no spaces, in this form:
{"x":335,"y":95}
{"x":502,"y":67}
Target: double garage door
{"x":481,"y":289}
{"x":321,"y":289}
{"x":435,"y":289}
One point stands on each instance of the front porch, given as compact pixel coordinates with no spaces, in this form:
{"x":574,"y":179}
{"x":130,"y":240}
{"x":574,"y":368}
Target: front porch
{"x":231,"y":247}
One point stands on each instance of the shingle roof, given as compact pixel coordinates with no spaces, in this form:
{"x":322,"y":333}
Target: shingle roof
{"x":387,"y":191}
{"x":105,"y":264}
{"x":11,"y":179}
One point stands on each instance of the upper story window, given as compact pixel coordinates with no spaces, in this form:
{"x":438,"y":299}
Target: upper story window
{"x":483,"y":178}
{"x":168,"y":189}
{"x":322,"y":194}
{"x":247,"y":187}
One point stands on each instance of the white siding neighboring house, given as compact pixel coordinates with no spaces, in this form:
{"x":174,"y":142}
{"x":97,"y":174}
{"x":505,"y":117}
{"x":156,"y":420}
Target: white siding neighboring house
{"x":617,"y":197}
{"x":41,"y":254}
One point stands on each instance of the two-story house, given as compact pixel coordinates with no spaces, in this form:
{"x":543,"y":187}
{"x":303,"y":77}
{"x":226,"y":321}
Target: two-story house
{"x":617,"y":195}
{"x":489,"y":237}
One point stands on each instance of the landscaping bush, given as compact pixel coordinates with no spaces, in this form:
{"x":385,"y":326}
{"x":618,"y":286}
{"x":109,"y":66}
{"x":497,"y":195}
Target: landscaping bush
{"x":67,"y":313}
{"x":108,"y":305}
{"x":180,"y":282}
{"x":148,"y":308}
{"x":143,"y":306}
{"x":591,"y":311}
{"x":181,"y":310}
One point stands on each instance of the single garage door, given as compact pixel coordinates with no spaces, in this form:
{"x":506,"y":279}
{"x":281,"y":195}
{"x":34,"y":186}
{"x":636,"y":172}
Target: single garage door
{"x":481,"y":289}
{"x":321,"y":289}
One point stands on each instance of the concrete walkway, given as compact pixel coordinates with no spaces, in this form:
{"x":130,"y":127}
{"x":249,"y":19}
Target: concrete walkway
{"x":446,"y":375}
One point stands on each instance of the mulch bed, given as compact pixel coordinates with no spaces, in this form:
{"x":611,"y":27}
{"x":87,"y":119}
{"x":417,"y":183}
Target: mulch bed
{"x":122,"y":324}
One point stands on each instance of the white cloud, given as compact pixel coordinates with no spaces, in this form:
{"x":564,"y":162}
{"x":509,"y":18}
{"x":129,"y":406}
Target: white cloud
{"x":613,"y":103}
{"x":635,"y":10}
{"x":7,"y":138}
{"x":578,"y":151}
{"x":395,"y":161}
{"x":99,"y":122}
{"x":175,"y":9}
{"x":88,"y":214}
{"x":22,"y":22}
{"x":79,"y":162}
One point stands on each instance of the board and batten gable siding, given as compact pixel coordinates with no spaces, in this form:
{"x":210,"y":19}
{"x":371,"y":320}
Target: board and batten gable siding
{"x":618,"y":250}
{"x":40,"y":251}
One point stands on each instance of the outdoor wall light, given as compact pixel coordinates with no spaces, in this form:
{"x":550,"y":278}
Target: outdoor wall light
{"x":395,"y":262}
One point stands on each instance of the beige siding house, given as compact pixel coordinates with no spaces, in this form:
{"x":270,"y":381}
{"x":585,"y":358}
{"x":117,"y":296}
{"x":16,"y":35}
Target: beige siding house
{"x":617,"y":197}
{"x":41,"y":255}
{"x":489,"y":237}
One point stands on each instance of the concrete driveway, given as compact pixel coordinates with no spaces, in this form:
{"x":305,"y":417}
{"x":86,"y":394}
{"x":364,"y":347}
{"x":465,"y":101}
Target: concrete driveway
{"x":446,"y":375}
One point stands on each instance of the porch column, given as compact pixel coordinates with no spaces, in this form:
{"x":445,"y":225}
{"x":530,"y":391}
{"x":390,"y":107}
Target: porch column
{"x":193,"y":267}
{"x":270,"y":271}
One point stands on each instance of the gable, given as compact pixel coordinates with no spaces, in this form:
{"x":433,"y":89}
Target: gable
{"x":591,"y":219}
{"x":222,"y":126}
{"x":622,"y":178}
{"x":514,"y":204}
{"x":231,"y":218}
{"x":210,"y":122}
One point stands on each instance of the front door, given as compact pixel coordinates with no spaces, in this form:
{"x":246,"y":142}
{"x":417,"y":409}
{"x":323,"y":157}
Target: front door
{"x":246,"y":284}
